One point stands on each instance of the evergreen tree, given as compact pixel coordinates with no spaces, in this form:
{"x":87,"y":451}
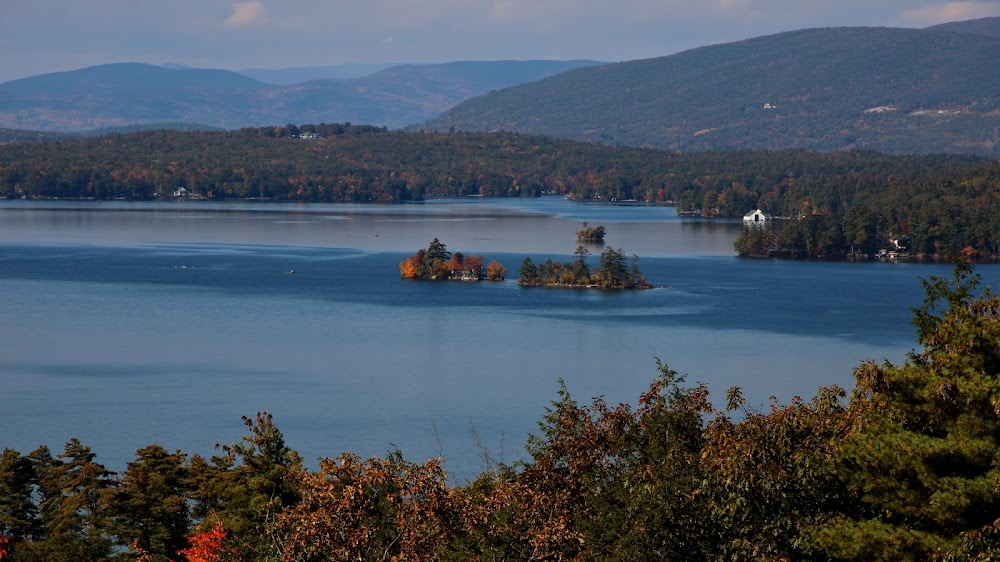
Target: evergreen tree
{"x":18,"y":514}
{"x":74,"y":494}
{"x":528,"y":272}
{"x":150,"y":505}
{"x":924,"y":456}
{"x":581,"y":271}
{"x":258,"y":488}
{"x":436,"y":251}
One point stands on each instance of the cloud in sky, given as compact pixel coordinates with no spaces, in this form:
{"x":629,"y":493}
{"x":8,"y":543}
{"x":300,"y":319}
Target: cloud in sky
{"x":247,"y":14}
{"x":47,"y":35}
{"x":950,"y":11}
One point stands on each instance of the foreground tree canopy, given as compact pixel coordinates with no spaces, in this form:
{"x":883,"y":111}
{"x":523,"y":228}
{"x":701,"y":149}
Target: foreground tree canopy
{"x":905,"y":468}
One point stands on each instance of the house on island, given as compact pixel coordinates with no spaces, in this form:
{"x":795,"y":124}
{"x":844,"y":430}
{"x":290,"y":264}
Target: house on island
{"x":756,"y":217}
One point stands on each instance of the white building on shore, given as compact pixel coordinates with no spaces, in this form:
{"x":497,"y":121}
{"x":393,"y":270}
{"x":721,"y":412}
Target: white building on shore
{"x":756,"y":217}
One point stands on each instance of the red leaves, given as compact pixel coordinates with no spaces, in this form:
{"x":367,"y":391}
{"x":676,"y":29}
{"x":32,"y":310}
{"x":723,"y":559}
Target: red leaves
{"x":435,"y":263}
{"x":205,"y":546}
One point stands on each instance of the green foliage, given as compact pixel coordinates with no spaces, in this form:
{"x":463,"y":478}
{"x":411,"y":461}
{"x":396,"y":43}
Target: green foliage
{"x":923,"y":456}
{"x":150,"y":505}
{"x":614,"y":271}
{"x":769,"y":479}
{"x":256,"y":489}
{"x":18,"y":513}
{"x":73,"y":492}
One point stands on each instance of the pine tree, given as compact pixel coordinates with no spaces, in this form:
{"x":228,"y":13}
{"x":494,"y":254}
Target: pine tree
{"x":925,"y":455}
{"x":18,"y":515}
{"x":150,"y":506}
{"x":74,"y":494}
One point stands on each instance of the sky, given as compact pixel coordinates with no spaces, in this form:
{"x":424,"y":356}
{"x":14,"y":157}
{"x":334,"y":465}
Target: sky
{"x":41,"y":36}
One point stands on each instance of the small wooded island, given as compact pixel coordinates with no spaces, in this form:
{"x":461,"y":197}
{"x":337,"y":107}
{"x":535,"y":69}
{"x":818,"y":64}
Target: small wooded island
{"x":437,"y":263}
{"x":614,"y":271}
{"x":591,"y":235}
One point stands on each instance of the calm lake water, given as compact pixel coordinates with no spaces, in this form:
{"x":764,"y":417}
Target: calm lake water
{"x":126,"y":324}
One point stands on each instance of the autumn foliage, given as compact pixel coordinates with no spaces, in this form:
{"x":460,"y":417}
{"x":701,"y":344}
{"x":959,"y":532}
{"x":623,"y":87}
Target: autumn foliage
{"x":205,"y":546}
{"x":437,"y":263}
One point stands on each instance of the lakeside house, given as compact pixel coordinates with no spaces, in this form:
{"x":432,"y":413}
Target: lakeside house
{"x":756,"y":217}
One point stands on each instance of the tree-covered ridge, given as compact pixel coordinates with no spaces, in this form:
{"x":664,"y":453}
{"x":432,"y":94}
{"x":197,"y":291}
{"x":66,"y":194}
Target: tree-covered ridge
{"x":614,"y":271}
{"x":438,"y":264}
{"x":981,"y":26}
{"x":892,"y":90}
{"x":943,"y":203}
{"x":906,"y":468}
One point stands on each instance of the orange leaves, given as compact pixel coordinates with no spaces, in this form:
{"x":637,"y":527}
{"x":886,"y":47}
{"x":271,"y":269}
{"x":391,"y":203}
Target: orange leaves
{"x":141,"y":554}
{"x":205,"y":546}
{"x":437,"y":263}
{"x":411,"y":267}
{"x":495,"y":271}
{"x":353,"y":509}
{"x":6,"y":548}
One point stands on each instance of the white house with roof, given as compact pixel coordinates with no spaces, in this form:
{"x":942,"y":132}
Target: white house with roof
{"x":756,"y":217}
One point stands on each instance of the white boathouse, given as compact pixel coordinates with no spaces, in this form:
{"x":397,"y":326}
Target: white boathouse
{"x":755,"y":217}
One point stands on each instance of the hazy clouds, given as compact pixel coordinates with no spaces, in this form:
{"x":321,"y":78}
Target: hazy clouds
{"x":48,"y":35}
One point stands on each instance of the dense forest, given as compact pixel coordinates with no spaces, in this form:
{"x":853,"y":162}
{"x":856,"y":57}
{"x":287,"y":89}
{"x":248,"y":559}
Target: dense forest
{"x":905,"y":468}
{"x":903,"y":91}
{"x":944,"y":204}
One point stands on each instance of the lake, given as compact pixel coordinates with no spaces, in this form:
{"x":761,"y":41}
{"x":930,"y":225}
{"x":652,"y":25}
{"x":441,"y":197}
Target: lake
{"x":130,"y":323}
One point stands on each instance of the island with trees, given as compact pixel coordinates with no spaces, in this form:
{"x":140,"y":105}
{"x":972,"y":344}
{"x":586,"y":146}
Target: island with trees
{"x":436,"y":263}
{"x":614,"y":271}
{"x":590,"y":234}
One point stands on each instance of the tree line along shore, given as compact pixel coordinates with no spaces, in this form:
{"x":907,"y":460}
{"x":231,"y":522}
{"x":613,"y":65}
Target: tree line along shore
{"x":847,"y":202}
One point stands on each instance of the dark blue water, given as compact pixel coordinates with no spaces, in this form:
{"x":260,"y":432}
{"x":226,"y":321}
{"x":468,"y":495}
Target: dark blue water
{"x":122,"y":342}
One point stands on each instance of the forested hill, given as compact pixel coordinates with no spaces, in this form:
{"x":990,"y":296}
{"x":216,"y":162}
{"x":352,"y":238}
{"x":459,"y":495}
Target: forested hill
{"x":981,"y":26}
{"x":119,"y":95}
{"x":945,"y":203}
{"x":892,"y":90}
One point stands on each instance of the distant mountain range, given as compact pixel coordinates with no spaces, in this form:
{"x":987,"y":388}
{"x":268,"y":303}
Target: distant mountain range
{"x":887,"y":89}
{"x":893,"y":90}
{"x":289,"y":76}
{"x":121,"y":95}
